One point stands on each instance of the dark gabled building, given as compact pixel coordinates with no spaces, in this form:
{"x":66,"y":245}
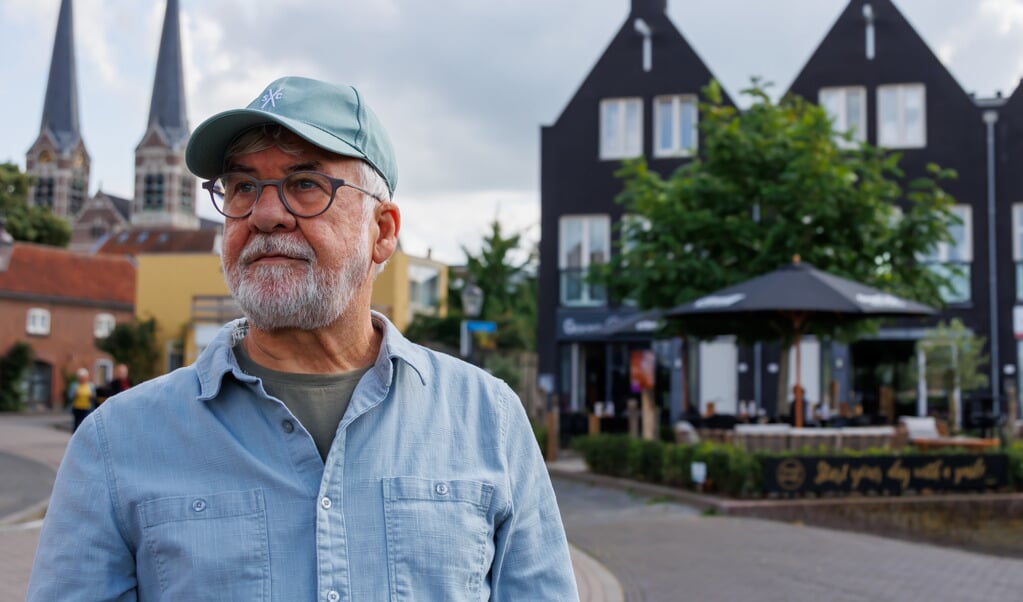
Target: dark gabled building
{"x":877,"y":77}
{"x":639,"y":99}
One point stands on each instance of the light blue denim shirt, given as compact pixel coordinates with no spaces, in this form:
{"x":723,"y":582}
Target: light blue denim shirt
{"x":199,"y":486}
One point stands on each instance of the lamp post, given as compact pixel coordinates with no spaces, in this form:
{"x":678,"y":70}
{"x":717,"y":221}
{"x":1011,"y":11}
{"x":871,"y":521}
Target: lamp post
{"x":472,"y":305}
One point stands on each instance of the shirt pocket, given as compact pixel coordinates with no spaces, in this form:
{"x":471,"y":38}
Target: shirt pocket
{"x":439,"y":537}
{"x":210,"y":546}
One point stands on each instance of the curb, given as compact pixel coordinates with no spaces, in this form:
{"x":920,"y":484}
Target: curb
{"x":595,"y":582}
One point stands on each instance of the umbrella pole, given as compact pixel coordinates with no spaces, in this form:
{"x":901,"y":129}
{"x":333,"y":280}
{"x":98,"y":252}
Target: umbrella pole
{"x":798,"y":321}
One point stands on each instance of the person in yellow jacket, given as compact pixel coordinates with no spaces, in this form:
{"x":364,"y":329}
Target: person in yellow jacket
{"x":82,"y":395}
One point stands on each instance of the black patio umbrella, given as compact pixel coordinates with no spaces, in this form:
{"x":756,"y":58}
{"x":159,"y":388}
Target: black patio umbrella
{"x":792,"y":299}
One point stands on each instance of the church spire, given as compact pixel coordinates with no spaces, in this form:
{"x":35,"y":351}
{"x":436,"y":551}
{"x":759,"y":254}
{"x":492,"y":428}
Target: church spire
{"x":164,"y":189}
{"x":57,"y":160}
{"x":167,"y":107}
{"x":60,"y":108}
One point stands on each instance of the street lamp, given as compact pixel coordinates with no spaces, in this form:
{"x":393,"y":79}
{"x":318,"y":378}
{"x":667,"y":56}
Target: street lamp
{"x":472,"y":300}
{"x":472,"y":305}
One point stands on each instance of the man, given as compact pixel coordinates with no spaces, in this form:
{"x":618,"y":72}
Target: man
{"x":311,"y":452}
{"x":119,"y":382}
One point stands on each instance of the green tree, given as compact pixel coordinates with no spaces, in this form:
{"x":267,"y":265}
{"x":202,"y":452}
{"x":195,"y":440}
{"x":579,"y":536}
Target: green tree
{"x":25,"y":223}
{"x":133,"y":343}
{"x":13,"y":367}
{"x":509,"y":287}
{"x":772,"y":183}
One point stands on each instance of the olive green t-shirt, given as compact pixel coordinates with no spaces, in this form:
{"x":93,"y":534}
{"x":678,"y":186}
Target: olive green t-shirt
{"x":318,"y":401}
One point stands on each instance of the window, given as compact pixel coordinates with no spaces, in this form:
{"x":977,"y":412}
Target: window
{"x":44,"y":193}
{"x":424,"y":287}
{"x":1017,"y":247}
{"x":187,"y":193}
{"x":901,"y":116}
{"x":621,"y":128}
{"x":631,"y":228}
{"x":847,"y":108}
{"x":585,"y":240}
{"x":675,"y":133}
{"x":152,"y":194}
{"x":954,"y":260}
{"x":77,"y":198}
{"x":38,"y":322}
{"x":103,"y":325}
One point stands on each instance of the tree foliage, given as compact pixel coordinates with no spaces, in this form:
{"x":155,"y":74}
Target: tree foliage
{"x":955,"y":355}
{"x":771,"y":183}
{"x":509,"y":295}
{"x":134,"y":344}
{"x":25,"y":223}
{"x":13,"y":367}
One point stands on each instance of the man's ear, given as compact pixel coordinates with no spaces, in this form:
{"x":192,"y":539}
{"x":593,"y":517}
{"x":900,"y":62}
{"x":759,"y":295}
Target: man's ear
{"x":388,"y":225}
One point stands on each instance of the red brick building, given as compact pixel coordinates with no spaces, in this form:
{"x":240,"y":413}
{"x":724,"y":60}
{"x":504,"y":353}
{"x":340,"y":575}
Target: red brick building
{"x":58,"y":302}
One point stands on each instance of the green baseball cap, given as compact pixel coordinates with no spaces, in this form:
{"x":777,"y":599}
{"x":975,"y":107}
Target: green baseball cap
{"x":334,"y":118}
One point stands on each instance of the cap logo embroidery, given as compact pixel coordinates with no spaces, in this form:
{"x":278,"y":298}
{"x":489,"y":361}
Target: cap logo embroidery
{"x":271,"y":97}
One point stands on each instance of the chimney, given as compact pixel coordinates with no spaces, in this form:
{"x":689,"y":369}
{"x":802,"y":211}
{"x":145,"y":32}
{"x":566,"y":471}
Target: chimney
{"x":649,"y":7}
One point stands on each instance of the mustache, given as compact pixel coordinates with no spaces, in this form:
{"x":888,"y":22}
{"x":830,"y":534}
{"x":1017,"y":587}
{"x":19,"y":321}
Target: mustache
{"x":265,"y":244}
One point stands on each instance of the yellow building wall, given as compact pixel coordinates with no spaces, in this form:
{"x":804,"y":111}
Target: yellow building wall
{"x":164,"y":288}
{"x":390,"y":290}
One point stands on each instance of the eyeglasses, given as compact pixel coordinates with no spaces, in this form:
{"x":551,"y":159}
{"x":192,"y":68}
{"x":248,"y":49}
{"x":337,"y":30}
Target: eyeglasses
{"x":303,"y":193}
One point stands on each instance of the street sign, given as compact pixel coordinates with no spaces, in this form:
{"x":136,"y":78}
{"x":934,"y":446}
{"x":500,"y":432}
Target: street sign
{"x":480,"y":326}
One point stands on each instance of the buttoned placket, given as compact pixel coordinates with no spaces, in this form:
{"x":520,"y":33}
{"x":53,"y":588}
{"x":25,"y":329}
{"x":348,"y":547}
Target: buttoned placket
{"x":331,"y":544}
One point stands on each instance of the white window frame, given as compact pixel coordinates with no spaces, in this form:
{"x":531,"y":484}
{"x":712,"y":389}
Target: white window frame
{"x":103,"y":325}
{"x":840,"y":121}
{"x":588,"y":297}
{"x":1017,"y":248}
{"x":627,"y":140}
{"x":901,"y":138}
{"x":675,"y":147}
{"x":961,"y":254}
{"x":37,"y":322}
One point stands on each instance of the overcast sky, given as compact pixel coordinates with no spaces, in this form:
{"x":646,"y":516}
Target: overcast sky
{"x":463,"y":86}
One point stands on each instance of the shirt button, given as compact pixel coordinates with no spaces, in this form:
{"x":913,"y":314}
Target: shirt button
{"x":199,"y":505}
{"x":326,"y":503}
{"x":333,"y":596}
{"x":441,"y":488}
{"x":288,"y":426}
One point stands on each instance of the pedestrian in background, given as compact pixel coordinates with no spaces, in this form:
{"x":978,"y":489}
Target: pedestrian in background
{"x":311,"y":452}
{"x":82,"y":396}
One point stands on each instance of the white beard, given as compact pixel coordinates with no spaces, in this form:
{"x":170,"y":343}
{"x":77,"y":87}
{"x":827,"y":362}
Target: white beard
{"x":293,"y":295}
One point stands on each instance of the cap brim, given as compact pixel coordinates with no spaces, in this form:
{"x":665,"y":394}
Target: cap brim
{"x":204,"y":154}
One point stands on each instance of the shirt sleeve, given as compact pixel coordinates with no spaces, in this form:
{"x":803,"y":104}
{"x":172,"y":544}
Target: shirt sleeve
{"x":531,"y":560}
{"x":81,"y":554}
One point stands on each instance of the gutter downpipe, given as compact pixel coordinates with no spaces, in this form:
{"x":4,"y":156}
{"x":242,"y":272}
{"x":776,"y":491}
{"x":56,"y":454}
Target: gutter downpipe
{"x":990,"y":119}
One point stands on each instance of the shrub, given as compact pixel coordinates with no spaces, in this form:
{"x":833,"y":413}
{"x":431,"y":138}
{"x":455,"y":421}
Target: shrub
{"x":644,"y":460}
{"x":676,"y":465}
{"x":604,"y":454}
{"x":13,"y":366}
{"x":540,"y":432}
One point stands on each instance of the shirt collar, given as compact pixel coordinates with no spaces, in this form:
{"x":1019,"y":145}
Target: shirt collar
{"x":218,"y":358}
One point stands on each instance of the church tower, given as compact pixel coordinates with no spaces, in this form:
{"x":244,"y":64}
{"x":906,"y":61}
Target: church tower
{"x":58,"y":159}
{"x":165,"y":191}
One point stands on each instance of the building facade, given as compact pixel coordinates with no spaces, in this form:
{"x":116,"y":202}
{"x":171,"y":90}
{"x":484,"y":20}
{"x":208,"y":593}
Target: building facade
{"x":875,"y":76}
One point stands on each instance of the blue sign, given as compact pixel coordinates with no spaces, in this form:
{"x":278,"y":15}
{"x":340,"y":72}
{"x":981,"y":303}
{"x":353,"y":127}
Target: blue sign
{"x":480,"y":326}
